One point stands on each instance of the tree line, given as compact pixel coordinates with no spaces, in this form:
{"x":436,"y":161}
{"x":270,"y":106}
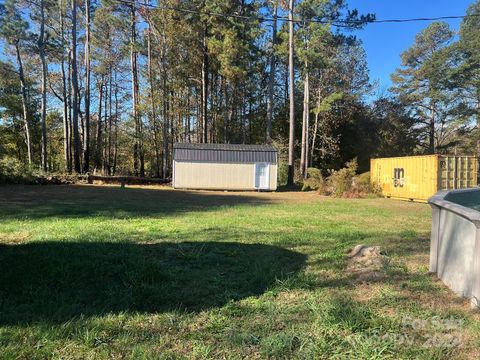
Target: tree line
{"x":109,"y":86}
{"x":439,"y":84}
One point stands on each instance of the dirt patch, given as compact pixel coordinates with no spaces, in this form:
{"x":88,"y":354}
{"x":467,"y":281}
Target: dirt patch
{"x":417,"y":263}
{"x":365,"y":292}
{"x":366,"y":263}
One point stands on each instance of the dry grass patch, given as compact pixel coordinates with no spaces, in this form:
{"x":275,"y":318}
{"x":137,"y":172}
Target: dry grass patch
{"x":14,"y":237}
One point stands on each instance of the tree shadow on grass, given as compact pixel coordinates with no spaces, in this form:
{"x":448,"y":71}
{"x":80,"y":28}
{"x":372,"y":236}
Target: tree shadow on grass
{"x":67,"y":201}
{"x":54,"y":282}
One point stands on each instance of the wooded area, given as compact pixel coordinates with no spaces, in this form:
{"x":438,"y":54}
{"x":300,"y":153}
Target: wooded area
{"x":107,"y":87}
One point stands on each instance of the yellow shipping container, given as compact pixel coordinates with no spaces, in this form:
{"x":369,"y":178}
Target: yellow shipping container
{"x":417,"y":178}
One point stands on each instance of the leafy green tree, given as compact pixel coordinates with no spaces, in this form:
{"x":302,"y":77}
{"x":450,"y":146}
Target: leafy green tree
{"x":14,"y":29}
{"x":383,"y":129}
{"x":316,"y":47}
{"x":174,"y":71}
{"x":462,"y":77}
{"x":39,"y":11}
{"x":470,"y":48}
{"x":418,"y":85}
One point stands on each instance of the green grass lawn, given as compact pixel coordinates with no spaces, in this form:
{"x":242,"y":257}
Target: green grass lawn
{"x":92,"y":272}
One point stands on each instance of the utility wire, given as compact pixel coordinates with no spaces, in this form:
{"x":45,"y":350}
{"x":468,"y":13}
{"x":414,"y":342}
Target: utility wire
{"x":425,"y":19}
{"x":337,"y":23}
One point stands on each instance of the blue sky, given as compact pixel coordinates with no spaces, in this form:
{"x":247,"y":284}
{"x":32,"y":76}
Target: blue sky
{"x":384,"y":43}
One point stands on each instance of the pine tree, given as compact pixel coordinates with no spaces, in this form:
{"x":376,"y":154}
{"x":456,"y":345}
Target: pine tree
{"x":14,"y":29}
{"x":418,"y":82}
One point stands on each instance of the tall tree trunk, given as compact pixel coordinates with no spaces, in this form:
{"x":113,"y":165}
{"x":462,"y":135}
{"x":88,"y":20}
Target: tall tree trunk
{"x":165,"y":129}
{"x":230,"y":115}
{"x":23,"y":87}
{"x":307,"y":132}
{"x":305,"y":124}
{"x":139,"y":168}
{"x":115,"y":139}
{"x":43,"y":112}
{"x":205,"y":86}
{"x":105,"y":126}
{"x":110,"y":119}
{"x":271,"y":79}
{"x":226,"y":112}
{"x":66,"y":132}
{"x":250,"y":103}
{"x":214,"y":102}
{"x":189,"y":114}
{"x":478,"y":121}
{"x":242,"y":113}
{"x":69,"y":102}
{"x":86,"y":134}
{"x":187,"y":118}
{"x":153,"y":110}
{"x":198,"y":117}
{"x":171,"y":117}
{"x":75,"y":105}
{"x":133,"y":70}
{"x":291,"y":138}
{"x":432,"y":137}
{"x":99,"y":136}
{"x":432,"y":130}
{"x":314,"y":136}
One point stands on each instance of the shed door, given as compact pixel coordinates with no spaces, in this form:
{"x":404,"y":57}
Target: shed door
{"x":261,"y":176}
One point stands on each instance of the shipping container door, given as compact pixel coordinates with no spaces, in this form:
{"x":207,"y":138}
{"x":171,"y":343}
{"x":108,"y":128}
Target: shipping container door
{"x":457,"y":172}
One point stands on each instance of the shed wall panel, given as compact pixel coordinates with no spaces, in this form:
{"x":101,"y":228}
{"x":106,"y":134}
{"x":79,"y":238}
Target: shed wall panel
{"x":218,"y":176}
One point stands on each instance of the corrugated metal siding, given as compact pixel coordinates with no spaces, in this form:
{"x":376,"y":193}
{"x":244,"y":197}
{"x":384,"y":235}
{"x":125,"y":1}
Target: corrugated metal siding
{"x":226,"y":147}
{"x":225,"y":156}
{"x":457,"y":172}
{"x":420,"y":177}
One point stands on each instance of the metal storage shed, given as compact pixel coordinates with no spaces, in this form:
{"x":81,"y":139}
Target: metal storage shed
{"x":224,"y":166}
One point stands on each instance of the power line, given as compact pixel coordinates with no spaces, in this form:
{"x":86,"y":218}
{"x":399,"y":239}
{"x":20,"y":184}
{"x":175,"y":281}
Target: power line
{"x":425,"y":19}
{"x":337,"y":23}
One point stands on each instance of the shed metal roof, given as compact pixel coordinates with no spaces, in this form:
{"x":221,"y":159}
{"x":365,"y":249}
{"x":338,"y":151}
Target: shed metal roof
{"x":225,"y":153}
{"x":225,"y":147}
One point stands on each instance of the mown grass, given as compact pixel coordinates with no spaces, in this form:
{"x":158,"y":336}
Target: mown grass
{"x":91,"y":272}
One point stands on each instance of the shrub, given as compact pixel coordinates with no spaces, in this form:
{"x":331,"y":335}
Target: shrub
{"x":297,"y":174}
{"x":376,"y":189}
{"x":364,"y":186}
{"x":363,"y":180}
{"x":341,"y":181}
{"x":314,"y":180}
{"x":361,"y":184}
{"x":13,"y":171}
